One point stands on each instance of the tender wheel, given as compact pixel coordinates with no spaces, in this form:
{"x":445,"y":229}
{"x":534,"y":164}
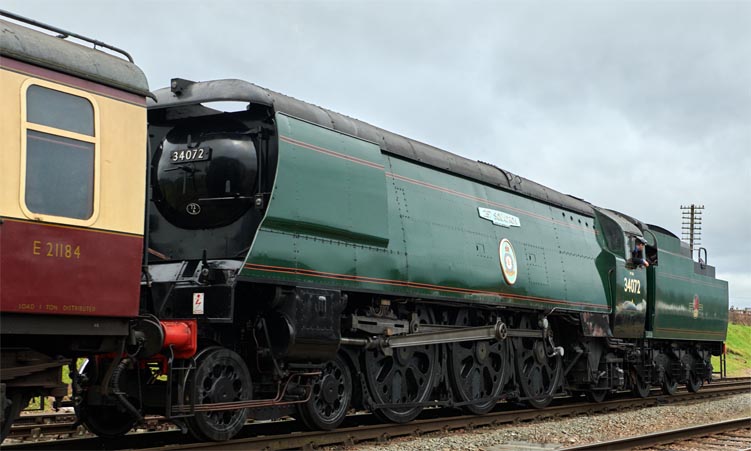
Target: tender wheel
{"x":478,"y":370}
{"x":221,"y":376}
{"x":694,"y":382}
{"x":406,"y":377}
{"x":331,"y":397}
{"x":108,"y":420}
{"x":16,"y":402}
{"x":669,"y":384}
{"x":538,"y":375}
{"x":639,"y":387}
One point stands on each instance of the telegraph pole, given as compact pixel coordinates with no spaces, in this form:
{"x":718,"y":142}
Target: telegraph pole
{"x":692,"y":225}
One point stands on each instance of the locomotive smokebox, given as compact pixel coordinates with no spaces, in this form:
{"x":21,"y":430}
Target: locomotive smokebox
{"x":303,"y":325}
{"x":205,"y":174}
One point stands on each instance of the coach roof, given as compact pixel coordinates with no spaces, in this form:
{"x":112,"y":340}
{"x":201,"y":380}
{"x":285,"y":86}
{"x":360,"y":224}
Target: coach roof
{"x":41,"y":49}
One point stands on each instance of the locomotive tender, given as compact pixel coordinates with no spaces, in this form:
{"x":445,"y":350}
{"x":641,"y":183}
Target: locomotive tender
{"x":298,"y":261}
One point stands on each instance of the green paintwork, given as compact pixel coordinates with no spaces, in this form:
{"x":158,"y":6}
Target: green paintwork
{"x":346,"y":216}
{"x":409,"y":230}
{"x":677,"y":284}
{"x":346,"y":198}
{"x":630,"y":312}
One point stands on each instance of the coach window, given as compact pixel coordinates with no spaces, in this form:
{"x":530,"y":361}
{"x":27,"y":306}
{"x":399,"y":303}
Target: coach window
{"x":60,"y":154}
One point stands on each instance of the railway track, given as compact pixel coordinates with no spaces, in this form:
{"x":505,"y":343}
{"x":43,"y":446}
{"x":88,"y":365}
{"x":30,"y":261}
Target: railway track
{"x":364,"y":427}
{"x":730,"y":435}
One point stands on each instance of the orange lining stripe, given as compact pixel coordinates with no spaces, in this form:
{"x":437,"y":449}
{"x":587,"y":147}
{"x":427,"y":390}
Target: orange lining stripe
{"x":489,"y":202}
{"x":429,"y":185}
{"x":330,"y":152}
{"x":336,"y":276}
{"x":688,"y":279}
{"x":686,"y":331}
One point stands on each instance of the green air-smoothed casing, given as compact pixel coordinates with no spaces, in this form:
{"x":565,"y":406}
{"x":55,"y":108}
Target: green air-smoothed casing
{"x":345,"y":215}
{"x":357,"y":208}
{"x":687,"y":304}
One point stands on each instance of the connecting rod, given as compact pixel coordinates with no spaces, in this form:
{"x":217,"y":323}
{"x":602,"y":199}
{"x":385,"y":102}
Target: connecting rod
{"x":438,"y":335}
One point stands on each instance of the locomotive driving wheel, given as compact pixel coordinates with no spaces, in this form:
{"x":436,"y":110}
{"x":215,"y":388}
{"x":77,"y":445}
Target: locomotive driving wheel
{"x":478,"y":370}
{"x":405,"y":377}
{"x":220,"y":376}
{"x":538,"y":374}
{"x":330,"y":399}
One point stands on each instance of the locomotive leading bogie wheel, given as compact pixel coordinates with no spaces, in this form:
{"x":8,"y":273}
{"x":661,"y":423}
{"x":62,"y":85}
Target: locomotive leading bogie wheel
{"x":220,"y":376}
{"x":538,"y":374}
{"x":331,"y":397}
{"x":405,"y":377}
{"x":478,"y":370}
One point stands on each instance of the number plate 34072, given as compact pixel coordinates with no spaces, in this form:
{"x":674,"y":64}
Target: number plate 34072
{"x":189,"y":155}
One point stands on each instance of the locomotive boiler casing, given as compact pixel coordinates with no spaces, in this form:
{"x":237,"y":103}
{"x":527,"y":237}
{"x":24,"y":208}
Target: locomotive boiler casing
{"x":344,"y":214}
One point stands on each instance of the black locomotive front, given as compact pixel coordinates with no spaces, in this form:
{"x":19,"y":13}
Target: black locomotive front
{"x":206,"y":174}
{"x":204,"y":181}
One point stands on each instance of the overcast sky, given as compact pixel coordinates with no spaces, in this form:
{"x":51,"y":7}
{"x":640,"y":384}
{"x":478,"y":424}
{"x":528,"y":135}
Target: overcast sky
{"x":634,"y":106}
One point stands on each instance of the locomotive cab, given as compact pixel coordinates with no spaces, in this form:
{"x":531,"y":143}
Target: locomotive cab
{"x":630,"y":287}
{"x":649,"y":254}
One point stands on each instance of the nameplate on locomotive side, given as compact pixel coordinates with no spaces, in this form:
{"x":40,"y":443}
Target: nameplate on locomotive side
{"x":499,"y":218}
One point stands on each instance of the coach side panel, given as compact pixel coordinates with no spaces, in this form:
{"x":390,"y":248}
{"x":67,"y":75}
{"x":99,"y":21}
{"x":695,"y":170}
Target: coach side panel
{"x":72,"y":191}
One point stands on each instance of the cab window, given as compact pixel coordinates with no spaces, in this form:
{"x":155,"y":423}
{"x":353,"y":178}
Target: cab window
{"x":60,"y":153}
{"x":649,"y":254}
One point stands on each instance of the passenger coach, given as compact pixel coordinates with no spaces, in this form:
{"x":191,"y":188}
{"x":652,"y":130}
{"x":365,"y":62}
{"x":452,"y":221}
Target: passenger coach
{"x":72,"y":184}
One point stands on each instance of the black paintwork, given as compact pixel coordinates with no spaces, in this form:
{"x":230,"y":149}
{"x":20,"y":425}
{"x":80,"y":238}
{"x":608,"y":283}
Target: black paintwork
{"x":214,"y":191}
{"x":223,"y":187}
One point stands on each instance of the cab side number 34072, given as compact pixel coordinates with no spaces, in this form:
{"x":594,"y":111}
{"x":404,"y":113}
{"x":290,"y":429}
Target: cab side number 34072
{"x":631,"y":285}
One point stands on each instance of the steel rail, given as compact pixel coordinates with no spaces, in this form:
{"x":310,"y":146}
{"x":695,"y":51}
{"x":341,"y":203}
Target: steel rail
{"x":385,"y":432}
{"x":281,"y":435}
{"x":666,"y":437}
